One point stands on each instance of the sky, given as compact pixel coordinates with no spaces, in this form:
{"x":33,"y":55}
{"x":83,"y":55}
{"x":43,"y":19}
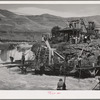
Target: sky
{"x":63,"y":10}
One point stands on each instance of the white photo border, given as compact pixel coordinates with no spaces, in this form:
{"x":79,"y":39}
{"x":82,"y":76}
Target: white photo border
{"x":49,"y":94}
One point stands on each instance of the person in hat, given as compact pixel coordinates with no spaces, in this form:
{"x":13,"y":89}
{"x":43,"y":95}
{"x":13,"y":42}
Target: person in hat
{"x":23,"y":62}
{"x":60,"y":84}
{"x":23,"y":58}
{"x":11,"y":59}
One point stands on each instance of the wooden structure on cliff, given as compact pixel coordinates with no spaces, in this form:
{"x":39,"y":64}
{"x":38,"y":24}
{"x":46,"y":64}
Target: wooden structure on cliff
{"x":77,"y":30}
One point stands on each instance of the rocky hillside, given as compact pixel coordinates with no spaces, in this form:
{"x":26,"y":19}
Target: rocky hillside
{"x":18,"y":22}
{"x":17,"y":26}
{"x":49,"y":20}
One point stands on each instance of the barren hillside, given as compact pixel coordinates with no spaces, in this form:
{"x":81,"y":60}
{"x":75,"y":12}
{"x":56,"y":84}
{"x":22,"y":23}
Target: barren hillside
{"x":13,"y":23}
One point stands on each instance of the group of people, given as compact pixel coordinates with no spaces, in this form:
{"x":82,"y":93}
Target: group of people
{"x":22,"y":62}
{"x":74,"y":40}
{"x":81,"y":38}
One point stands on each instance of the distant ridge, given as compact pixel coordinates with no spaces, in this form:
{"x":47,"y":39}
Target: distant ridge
{"x":37,"y":24}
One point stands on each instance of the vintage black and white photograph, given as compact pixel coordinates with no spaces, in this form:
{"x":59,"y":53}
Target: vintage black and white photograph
{"x":50,"y":47}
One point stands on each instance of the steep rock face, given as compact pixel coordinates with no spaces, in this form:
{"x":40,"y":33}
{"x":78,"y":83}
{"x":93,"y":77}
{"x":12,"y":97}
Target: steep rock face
{"x":7,"y":13}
